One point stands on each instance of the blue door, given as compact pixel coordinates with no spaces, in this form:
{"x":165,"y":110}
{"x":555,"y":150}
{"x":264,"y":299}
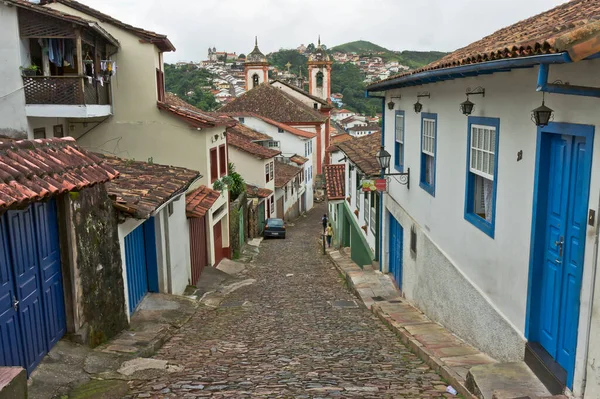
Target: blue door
{"x":140,"y":263}
{"x":32,"y":312}
{"x":562,"y":198}
{"x":396,"y":244}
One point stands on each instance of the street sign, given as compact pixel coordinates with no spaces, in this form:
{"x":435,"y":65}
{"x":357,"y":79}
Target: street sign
{"x":381,"y":184}
{"x":368,"y":185}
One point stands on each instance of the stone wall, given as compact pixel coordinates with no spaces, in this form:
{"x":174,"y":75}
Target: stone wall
{"x":99,"y":275}
{"x":240,"y":205}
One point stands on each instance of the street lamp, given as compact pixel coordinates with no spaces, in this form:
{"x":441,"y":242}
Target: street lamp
{"x":467,"y":107}
{"x":418,"y":106}
{"x":383,"y":160}
{"x":542,"y":115}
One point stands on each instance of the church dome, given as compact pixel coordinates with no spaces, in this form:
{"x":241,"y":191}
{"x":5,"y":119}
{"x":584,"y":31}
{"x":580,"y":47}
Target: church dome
{"x":256,"y":56}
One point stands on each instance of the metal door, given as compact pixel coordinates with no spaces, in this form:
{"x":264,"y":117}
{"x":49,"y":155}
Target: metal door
{"x":396,"y":250}
{"x":562,"y":197}
{"x":198,"y":247}
{"x":136,"y":266}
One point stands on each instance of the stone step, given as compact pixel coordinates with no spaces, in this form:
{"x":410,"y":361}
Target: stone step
{"x":505,"y":381}
{"x":13,"y":383}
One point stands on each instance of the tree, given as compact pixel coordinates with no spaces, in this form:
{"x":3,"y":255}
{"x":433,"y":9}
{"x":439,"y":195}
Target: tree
{"x":237,"y":185}
{"x":192,"y":84}
{"x":310,"y":48}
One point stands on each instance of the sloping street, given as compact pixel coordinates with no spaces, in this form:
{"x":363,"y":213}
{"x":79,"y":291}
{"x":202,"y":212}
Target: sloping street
{"x":283,"y":337}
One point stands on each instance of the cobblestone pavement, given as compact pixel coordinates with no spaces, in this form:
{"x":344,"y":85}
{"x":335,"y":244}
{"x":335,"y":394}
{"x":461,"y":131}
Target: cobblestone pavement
{"x":282,"y":338}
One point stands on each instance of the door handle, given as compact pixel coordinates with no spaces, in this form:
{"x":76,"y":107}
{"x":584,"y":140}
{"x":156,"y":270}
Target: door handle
{"x":15,"y":303}
{"x":559,"y":244}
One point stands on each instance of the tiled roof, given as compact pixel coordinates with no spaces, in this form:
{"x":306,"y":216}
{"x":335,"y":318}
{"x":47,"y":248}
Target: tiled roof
{"x":550,"y":32}
{"x":143,"y":187}
{"x":361,"y":151}
{"x":251,"y":134}
{"x":241,"y":142}
{"x":32,"y":170}
{"x":298,"y":159}
{"x":199,"y":201}
{"x":259,"y":192}
{"x":161,"y":41}
{"x":366,"y":128}
{"x":289,"y":129}
{"x":192,"y":115}
{"x":303,"y":92}
{"x":335,"y":181}
{"x":285,"y":172}
{"x":349,"y":119}
{"x":340,"y":138}
{"x":274,"y":103}
{"x":23,"y":4}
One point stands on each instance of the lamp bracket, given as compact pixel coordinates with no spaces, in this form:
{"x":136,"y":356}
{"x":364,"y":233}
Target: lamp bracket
{"x":423,"y":94}
{"x":397,"y":97}
{"x":476,"y":91}
{"x":404,"y":178}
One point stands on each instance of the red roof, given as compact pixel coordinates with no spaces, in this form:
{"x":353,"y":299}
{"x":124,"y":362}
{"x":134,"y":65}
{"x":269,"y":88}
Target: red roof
{"x":192,"y":115}
{"x":199,"y":201}
{"x":32,"y":170}
{"x":239,"y":141}
{"x":284,"y":173}
{"x":298,"y":159}
{"x":335,"y":180}
{"x":289,"y":129}
{"x":572,"y":27}
{"x":260,"y":192}
{"x":143,"y":187}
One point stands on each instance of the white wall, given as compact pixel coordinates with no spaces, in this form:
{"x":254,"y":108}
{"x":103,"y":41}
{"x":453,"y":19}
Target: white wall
{"x":13,"y":121}
{"x":250,"y":167}
{"x":320,"y":92}
{"x":498,"y":268}
{"x":297,"y":95}
{"x":359,"y":197}
{"x":179,"y":246}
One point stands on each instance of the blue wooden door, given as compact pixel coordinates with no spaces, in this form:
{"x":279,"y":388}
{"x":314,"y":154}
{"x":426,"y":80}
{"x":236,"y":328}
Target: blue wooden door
{"x":566,"y":185}
{"x":48,"y":251}
{"x":11,"y":350}
{"x":136,"y":266}
{"x":396,"y":250}
{"x":26,"y":268}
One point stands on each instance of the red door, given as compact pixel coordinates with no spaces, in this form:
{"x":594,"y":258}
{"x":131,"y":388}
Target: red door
{"x":198,"y":247}
{"x":218,"y":243}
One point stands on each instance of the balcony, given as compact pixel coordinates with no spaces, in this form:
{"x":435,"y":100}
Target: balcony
{"x":66,"y":97}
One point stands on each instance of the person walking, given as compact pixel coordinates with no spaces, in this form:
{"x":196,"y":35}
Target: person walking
{"x":329,"y":234}
{"x":324,"y":220}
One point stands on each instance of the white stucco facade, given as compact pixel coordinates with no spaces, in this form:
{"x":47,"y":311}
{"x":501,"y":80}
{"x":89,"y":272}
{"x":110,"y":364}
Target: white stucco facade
{"x":13,"y":120}
{"x":454,"y":256}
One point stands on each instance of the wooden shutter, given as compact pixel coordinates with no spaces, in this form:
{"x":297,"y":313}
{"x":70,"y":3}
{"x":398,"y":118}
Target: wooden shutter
{"x":214,"y":166}
{"x":160,"y":84}
{"x":222,"y":161}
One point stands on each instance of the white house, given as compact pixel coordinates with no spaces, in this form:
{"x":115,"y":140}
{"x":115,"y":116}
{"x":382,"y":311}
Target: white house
{"x":355,"y":219}
{"x":341,"y":114}
{"x":358,"y":131}
{"x":290,"y":141}
{"x":497,"y":237}
{"x":289,"y":188}
{"x":256,"y":163}
{"x":352,"y":121}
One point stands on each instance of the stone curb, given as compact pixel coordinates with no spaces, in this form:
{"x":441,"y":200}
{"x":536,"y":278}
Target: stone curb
{"x":406,"y":338}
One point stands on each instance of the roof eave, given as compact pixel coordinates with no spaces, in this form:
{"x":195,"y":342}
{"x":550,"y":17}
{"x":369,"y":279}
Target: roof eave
{"x":462,"y":71}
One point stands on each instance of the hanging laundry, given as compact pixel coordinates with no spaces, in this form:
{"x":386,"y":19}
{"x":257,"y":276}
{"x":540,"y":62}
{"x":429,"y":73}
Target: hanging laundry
{"x":69,"y":53}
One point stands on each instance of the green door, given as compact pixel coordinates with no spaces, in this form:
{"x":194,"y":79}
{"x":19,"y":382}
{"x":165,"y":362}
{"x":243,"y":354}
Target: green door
{"x":261,"y":218}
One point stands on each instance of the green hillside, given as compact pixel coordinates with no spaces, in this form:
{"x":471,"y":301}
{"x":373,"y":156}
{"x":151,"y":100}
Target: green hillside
{"x":360,"y":47}
{"x":412,"y":59}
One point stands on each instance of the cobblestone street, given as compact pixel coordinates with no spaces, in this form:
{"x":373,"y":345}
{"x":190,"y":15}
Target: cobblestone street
{"x":282,"y":338}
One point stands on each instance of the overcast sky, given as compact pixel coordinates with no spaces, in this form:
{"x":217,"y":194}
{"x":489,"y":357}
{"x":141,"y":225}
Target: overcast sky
{"x":230,"y":25}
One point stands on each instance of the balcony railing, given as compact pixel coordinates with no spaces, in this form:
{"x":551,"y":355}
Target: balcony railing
{"x":65,"y":90}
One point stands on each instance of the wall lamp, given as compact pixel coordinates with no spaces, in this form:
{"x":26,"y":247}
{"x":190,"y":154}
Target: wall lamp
{"x":383,"y":159}
{"x":467,"y":107}
{"x":418,"y":106}
{"x":542,"y":115}
{"x":392,"y":104}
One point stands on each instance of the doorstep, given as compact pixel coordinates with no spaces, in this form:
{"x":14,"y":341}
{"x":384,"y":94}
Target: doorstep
{"x":439,"y":348}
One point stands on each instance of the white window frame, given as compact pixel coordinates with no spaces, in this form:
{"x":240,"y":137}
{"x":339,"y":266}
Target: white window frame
{"x":428,"y":137}
{"x":483,"y":156}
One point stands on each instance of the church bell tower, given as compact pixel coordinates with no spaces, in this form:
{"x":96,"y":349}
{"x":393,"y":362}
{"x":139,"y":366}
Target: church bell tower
{"x":256,"y":68}
{"x":319,"y":73}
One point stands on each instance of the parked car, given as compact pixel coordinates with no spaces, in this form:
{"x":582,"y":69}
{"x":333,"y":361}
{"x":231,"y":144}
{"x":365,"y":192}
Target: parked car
{"x":274,"y":228}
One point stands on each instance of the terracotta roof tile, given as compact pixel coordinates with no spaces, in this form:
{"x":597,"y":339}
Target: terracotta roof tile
{"x":250,"y":134}
{"x":194,"y":116}
{"x":161,"y":41}
{"x":32,"y":170}
{"x":324,"y":103}
{"x":199,"y":201}
{"x":340,"y":138}
{"x":335,"y":182}
{"x":260,"y":192}
{"x":275,"y":104}
{"x":366,"y":128}
{"x":143,"y":187}
{"x":284,"y":173}
{"x":361,"y":151}
{"x":550,"y":32}
{"x":241,"y":142}
{"x":283,"y":126}
{"x":298,"y":159}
